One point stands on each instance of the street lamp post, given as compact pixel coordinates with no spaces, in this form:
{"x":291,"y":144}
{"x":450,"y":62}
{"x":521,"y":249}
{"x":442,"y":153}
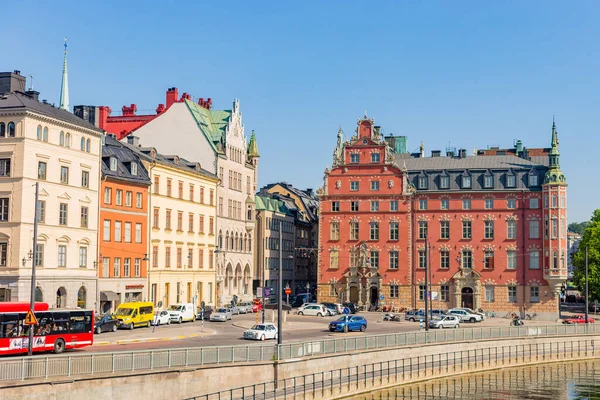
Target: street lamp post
{"x":33,"y":261}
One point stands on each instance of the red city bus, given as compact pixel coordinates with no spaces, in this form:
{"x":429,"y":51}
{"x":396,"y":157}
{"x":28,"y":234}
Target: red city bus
{"x":57,"y":330}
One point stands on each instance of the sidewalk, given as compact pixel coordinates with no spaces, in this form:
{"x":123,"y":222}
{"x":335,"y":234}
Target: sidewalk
{"x":151,"y":337}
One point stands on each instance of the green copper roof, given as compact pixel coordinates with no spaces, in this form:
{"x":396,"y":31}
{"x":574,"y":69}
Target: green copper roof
{"x":264,"y":203}
{"x":211,"y":122}
{"x":253,"y":147}
{"x":554,"y":176}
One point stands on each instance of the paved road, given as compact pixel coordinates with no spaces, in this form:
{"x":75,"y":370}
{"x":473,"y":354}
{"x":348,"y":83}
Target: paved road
{"x":297,"y":328}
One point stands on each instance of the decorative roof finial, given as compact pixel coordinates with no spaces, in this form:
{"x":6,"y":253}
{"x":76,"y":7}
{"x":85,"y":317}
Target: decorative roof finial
{"x":64,"y":89}
{"x":252,"y":146}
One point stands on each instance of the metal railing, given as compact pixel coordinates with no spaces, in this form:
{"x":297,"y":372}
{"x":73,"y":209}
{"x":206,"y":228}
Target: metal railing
{"x":86,"y":363}
{"x":352,"y":380}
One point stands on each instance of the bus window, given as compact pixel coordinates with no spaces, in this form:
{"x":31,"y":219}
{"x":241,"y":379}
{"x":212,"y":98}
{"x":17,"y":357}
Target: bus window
{"x":80,"y":323}
{"x":45,"y":324}
{"x":60,"y":323}
{"x":146,"y":310}
{"x":9,"y":326}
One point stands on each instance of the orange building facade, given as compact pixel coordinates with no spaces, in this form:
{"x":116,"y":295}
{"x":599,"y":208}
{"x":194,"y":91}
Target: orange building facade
{"x":123,"y":233}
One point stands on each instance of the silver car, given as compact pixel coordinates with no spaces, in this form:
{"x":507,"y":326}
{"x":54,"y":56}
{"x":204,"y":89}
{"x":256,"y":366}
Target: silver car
{"x":245,"y":307}
{"x":445,"y":321}
{"x":221,"y":315}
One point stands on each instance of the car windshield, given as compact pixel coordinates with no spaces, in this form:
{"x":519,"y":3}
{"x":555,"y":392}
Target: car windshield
{"x":258,"y":328}
{"x":341,"y":318}
{"x":123,"y":312}
{"x":98,"y":318}
{"x":222,"y":310}
{"x":175,"y":308}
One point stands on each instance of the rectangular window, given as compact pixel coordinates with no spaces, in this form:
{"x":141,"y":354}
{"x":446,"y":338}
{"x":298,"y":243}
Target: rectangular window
{"x":354,"y":186}
{"x":466,"y":204}
{"x":445,"y":204}
{"x":534,"y":259}
{"x":354,"y":158}
{"x":83,"y":257}
{"x":374,"y":258}
{"x":354,"y":230}
{"x":394,"y":230}
{"x":168,"y":256}
{"x":42,"y":170}
{"x":422,"y":258}
{"x":466,"y":230}
{"x":211,"y":197}
{"x":422,"y":290}
{"x":191,"y":223}
{"x":119,"y":197}
{"x":180,"y":220}
{"x":511,"y":181}
{"x":334,"y":259}
{"x":4,"y":209}
{"x":511,"y":229}
{"x":168,"y":220}
{"x":62,"y":214}
{"x":374,"y":185}
{"x":179,"y":257}
{"x":374,"y":206}
{"x":394,"y":205}
{"x":156,"y":184}
{"x":211,"y":259}
{"x":511,"y":204}
{"x":180,"y":190}
{"x":138,"y":200}
{"x":41,"y":211}
{"x":169,"y":187}
{"x":422,"y":229}
{"x":444,"y":229}
{"x":466,"y":182}
{"x":105,"y":267}
{"x":534,"y":229}
{"x":201,"y":224}
{"x":512,"y":294}
{"x":84,"y":217}
{"x":155,"y":256}
{"x":107,"y":195}
{"x":374,"y":230}
{"x":211,"y":225}
{"x":467,"y":259}
{"x":190,"y":258}
{"x":117,"y":267}
{"x":137,"y":267}
{"x":3,"y":254}
{"x":200,"y":258}
{"x":554,"y":228}
{"x":117,"y":231}
{"x":444,"y":259}
{"x":488,"y":259}
{"x":354,"y":206}
{"x":62,"y":255}
{"x":85,"y":179}
{"x":394,"y":291}
{"x":534,"y":203}
{"x":393,"y":259}
{"x":533,"y":179}
{"x":127,"y":232}
{"x":422,"y":204}
{"x":422,"y":181}
{"x":444,"y":182}
{"x":534,"y":293}
{"x":489,"y":230}
{"x":489,"y":204}
{"x":138,"y":232}
{"x":64,"y":174}
{"x":128,"y":199}
{"x":488,"y":181}
{"x":106,"y":231}
{"x":489,"y":294}
{"x":511,"y":257}
{"x":335,"y":206}
{"x":335,"y":231}
{"x":445,"y":293}
{"x":39,"y":256}
{"x":155,"y":218}
{"x":375,"y":157}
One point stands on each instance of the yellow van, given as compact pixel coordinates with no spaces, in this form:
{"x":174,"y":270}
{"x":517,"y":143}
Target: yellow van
{"x":139,"y":313}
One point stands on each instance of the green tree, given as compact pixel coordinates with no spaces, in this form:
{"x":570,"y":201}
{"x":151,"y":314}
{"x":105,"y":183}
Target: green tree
{"x":578,"y":227}
{"x":591,"y":240}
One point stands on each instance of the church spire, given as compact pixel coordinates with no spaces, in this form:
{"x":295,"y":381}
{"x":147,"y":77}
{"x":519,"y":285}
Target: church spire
{"x":64,"y":89}
{"x":554,"y":175}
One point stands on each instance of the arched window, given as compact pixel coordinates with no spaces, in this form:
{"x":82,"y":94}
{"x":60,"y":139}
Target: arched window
{"x":38,"y":135}
{"x":220,"y":239}
{"x":68,"y":140}
{"x":2,"y":129}
{"x":81,"y":297}
{"x":11,"y":129}
{"x":61,"y":297}
{"x":249,"y":242}
{"x":61,"y":138}
{"x":87,"y":145}
{"x":82,"y":145}
{"x":45,"y":137}
{"x":39,"y":296}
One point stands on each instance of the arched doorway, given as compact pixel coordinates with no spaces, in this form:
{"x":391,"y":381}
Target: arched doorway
{"x":466,"y":298}
{"x":373,"y":297}
{"x":39,"y":296}
{"x":61,"y":297}
{"x":228,"y":280}
{"x":81,"y":297}
{"x":354,"y":294}
{"x":246,"y":278}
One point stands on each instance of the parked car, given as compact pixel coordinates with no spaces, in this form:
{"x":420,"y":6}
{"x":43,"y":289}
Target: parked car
{"x":465,"y":316}
{"x":208,"y":310}
{"x":299,"y":299}
{"x":578,"y":319}
{"x":245,"y":307}
{"x":469,"y":310}
{"x":234,"y":310}
{"x":261,"y":332}
{"x":445,"y":321}
{"x":348,"y":323}
{"x":161,"y":318}
{"x":222,"y":314}
{"x":137,"y":313}
{"x":313,"y":309}
{"x":106,"y":323}
{"x":352,"y":307}
{"x":414,"y":315}
{"x":331,"y":308}
{"x":182,"y":312}
{"x":438,"y":313}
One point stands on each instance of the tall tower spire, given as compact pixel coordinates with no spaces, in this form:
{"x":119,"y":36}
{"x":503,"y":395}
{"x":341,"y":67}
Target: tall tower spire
{"x":554,"y":175}
{"x":64,"y":89}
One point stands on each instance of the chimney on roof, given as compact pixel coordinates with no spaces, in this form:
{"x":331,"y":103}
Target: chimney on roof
{"x":462,"y":153}
{"x":133,"y":140}
{"x":172,"y":96}
{"x":34,"y":94}
{"x":11,"y":82}
{"x":205,"y":103}
{"x":160,"y":109}
{"x":309,"y":191}
{"x":129,"y":111}
{"x":436,"y":153}
{"x":88,"y":113}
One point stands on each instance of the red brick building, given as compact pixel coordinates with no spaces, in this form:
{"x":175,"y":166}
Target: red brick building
{"x":495,"y":222}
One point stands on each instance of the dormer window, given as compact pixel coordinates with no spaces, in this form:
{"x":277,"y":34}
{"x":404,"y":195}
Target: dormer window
{"x":466,"y":182}
{"x":422,"y":183}
{"x":134,"y":168}
{"x":375,"y":158}
{"x":488,"y":181}
{"x":113,"y":164}
{"x":511,"y":181}
{"x":533,"y":178}
{"x":354,"y":158}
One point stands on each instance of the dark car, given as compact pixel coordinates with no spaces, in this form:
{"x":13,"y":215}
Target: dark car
{"x":352,"y":307}
{"x":106,"y":323}
{"x":414,"y":315}
{"x":207,"y":311}
{"x":331,"y":308}
{"x":348,"y":323}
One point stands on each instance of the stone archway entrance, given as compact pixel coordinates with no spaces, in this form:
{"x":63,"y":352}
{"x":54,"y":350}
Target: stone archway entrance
{"x":354,"y":294}
{"x":373,"y":297}
{"x":466,"y":297}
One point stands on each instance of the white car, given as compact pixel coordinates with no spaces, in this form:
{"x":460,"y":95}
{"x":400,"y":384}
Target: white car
{"x":465,"y":316}
{"x":313,"y":309}
{"x":470,"y":311}
{"x":261,"y":332}
{"x":445,"y":321}
{"x":221,"y":314}
{"x":161,"y":318}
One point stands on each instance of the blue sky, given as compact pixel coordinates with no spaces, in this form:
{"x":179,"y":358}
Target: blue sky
{"x":469,"y":73}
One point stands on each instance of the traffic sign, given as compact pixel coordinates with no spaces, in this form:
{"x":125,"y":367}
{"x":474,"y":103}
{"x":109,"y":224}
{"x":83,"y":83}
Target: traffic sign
{"x":30,"y":318}
{"x":382,"y":297}
{"x":266,"y":292}
{"x":346,"y":310}
{"x":288,"y":290}
{"x":259,"y":292}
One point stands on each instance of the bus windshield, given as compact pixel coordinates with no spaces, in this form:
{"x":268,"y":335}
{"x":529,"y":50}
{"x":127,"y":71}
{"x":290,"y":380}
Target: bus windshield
{"x":123,"y":312}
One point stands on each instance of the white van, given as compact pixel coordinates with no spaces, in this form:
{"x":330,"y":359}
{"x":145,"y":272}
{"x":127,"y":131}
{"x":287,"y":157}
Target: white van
{"x":182,"y":312}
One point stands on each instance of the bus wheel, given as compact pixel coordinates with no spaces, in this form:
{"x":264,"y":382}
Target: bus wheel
{"x":59,"y":346}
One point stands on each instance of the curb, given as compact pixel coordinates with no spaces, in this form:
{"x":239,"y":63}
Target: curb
{"x":148,"y":340}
